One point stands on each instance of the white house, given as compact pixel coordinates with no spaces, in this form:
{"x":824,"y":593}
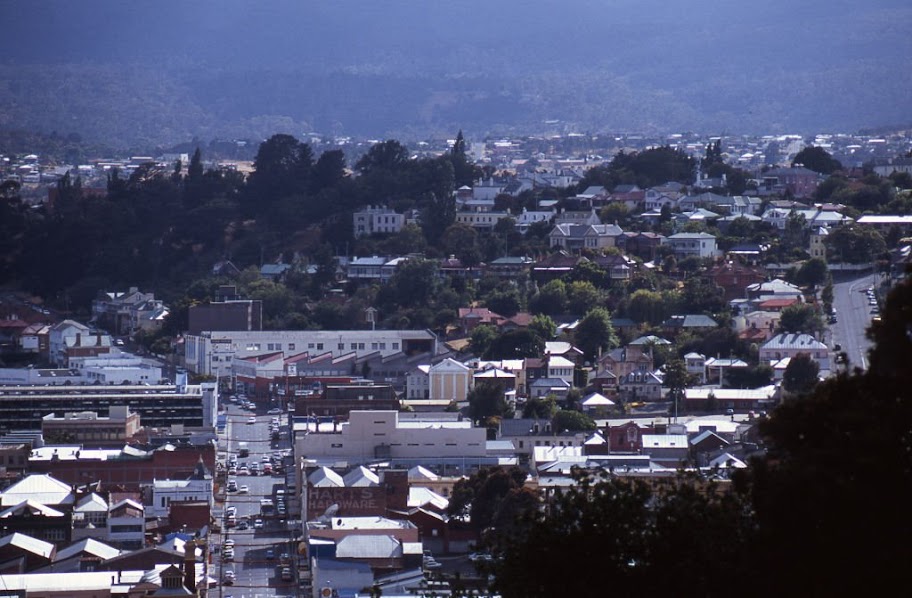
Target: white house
{"x":790,"y":344}
{"x":197,"y":488}
{"x":377,"y":219}
{"x":702,"y":245}
{"x":418,"y":383}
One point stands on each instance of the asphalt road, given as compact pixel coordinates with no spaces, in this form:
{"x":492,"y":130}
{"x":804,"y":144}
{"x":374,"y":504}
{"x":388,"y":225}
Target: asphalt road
{"x":255,"y":575}
{"x":854,"y":315}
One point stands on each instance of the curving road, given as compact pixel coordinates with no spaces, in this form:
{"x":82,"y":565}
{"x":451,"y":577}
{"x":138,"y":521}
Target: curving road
{"x":854,"y":315}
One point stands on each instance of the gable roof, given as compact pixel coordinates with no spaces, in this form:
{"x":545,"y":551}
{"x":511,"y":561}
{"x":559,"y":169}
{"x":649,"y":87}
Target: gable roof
{"x":597,"y":400}
{"x":40,"y":488}
{"x":28,"y":544}
{"x":89,"y":546}
{"x":419,"y":497}
{"x":361,"y":477}
{"x":419,"y":473}
{"x":32,"y":507}
{"x":325,"y":477}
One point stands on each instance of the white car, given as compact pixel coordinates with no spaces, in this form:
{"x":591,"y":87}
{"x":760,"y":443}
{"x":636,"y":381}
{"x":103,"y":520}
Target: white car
{"x":229,"y":543}
{"x":257,"y":524}
{"x":251,"y":419}
{"x":245,"y":489}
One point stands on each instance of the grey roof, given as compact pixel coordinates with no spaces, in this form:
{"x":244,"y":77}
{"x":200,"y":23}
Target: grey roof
{"x":357,"y":546}
{"x":793,"y":341}
{"x":704,"y":435}
{"x":649,"y":339}
{"x":690,"y":321}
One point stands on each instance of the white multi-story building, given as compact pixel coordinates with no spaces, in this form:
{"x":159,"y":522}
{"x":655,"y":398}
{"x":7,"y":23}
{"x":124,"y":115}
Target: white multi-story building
{"x":164,"y":493}
{"x":377,"y":219}
{"x":370,"y":435}
{"x":212,"y":353}
{"x":701,"y":245}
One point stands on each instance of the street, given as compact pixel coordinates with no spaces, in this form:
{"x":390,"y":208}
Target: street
{"x":854,"y":316}
{"x":257,"y":573}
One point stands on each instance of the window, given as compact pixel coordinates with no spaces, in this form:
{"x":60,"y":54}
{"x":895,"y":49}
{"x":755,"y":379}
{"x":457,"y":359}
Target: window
{"x":337,"y":445}
{"x":310,"y":345}
{"x":341,"y":346}
{"x":360,"y":346}
{"x":395,"y":346}
{"x":373,"y":346}
{"x":319,"y":346}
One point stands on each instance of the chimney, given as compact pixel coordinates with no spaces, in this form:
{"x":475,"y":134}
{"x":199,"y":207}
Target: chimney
{"x":190,"y":565}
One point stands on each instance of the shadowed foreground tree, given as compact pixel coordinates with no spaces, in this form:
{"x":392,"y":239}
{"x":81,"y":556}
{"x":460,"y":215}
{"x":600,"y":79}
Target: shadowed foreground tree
{"x":832,"y":501}
{"x":634,"y":540}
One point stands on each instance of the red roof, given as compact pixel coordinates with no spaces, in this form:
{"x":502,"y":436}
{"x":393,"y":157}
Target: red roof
{"x":778,"y":303}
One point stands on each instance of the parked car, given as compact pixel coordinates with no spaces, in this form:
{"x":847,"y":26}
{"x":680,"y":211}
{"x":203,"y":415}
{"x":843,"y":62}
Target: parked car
{"x":274,"y":411}
{"x":286,"y":574}
{"x":251,"y":420}
{"x":257,"y":523}
{"x":245,"y":489}
{"x":270,"y":554}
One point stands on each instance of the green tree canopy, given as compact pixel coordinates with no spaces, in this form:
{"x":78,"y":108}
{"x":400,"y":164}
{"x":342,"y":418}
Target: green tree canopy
{"x":572,"y":421}
{"x":854,"y":244}
{"x":551,"y":299}
{"x":486,"y":400}
{"x":595,"y":333}
{"x":817,"y":159}
{"x":812,"y":272}
{"x":801,"y":317}
{"x":800,"y":375}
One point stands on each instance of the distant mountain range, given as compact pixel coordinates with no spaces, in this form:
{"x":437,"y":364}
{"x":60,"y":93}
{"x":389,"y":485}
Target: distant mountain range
{"x":135,"y":74}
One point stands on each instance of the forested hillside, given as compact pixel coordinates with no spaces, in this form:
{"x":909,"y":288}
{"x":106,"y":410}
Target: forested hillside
{"x":413,"y":68}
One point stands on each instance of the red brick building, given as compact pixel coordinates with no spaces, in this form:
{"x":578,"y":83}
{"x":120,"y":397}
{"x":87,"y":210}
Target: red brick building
{"x":129,"y":470}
